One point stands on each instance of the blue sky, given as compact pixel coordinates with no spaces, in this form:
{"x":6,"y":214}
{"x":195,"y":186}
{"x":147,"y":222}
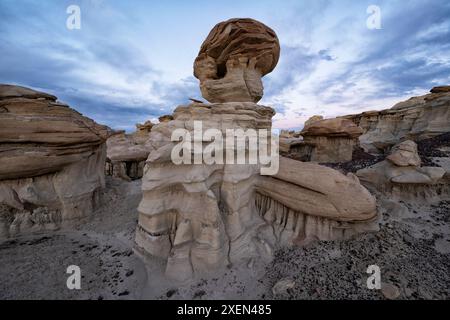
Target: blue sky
{"x":131,"y":61}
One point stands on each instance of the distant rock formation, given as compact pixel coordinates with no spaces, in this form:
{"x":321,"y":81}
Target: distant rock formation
{"x":401,"y":167}
{"x":233,"y":58}
{"x":201,"y":217}
{"x":289,"y":140}
{"x":311,"y":120}
{"x":126,"y":153}
{"x":323,"y":141}
{"x":51,"y":161}
{"x":405,"y":154}
{"x":142,"y":130}
{"x":165,"y":118}
{"x":331,"y":140}
{"x":415,"y":119}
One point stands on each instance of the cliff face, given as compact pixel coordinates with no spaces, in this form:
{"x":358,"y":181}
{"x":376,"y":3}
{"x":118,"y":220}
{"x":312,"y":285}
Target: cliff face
{"x":51,"y":161}
{"x":415,"y":119}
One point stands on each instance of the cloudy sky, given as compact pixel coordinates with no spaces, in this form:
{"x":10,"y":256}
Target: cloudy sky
{"x":131,"y":61}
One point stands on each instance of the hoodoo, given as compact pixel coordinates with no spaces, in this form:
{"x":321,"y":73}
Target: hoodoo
{"x":201,"y":217}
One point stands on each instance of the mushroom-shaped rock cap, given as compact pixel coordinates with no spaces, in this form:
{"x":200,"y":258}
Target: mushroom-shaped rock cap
{"x":240,"y":37}
{"x":233,"y":58}
{"x":336,"y":127}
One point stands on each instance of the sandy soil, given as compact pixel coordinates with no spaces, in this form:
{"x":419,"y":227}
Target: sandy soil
{"x":412,"y":249}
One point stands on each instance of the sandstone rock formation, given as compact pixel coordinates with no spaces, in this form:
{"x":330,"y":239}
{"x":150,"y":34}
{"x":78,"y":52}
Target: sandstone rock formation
{"x":204,"y":217}
{"x":335,"y":127}
{"x":233,"y":58}
{"x":405,"y":154}
{"x":327,"y":141}
{"x":415,"y":119}
{"x":312,"y":119}
{"x":126,"y":153}
{"x":207,"y":215}
{"x":165,"y":118}
{"x":401,"y":168}
{"x":142,"y":130}
{"x":440,"y":89}
{"x":289,"y":141}
{"x":51,"y":161}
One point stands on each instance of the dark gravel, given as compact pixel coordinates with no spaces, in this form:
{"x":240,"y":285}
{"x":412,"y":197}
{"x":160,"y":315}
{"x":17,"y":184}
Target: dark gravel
{"x":360,"y":160}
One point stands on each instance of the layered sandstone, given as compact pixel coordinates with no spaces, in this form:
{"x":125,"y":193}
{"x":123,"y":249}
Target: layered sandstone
{"x":126,"y":153}
{"x":201,"y":217}
{"x":289,"y":140}
{"x":208,"y":212}
{"x":401,"y":168}
{"x":326,"y":140}
{"x":51,"y":161}
{"x":234,"y":57}
{"x":415,"y":119}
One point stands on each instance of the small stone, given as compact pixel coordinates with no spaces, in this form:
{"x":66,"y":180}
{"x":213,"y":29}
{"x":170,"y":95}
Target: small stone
{"x":405,"y":154}
{"x":282,"y":286}
{"x":170,"y":293}
{"x":124,"y":293}
{"x":390,"y":291}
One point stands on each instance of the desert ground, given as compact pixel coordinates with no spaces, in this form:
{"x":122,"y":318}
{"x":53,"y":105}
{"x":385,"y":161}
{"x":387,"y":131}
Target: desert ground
{"x":412,"y":249}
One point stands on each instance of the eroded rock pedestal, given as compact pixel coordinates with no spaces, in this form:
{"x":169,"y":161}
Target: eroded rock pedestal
{"x":51,"y":162}
{"x":126,"y":153}
{"x":200,"y":217}
{"x":402,"y":171}
{"x":203,"y":217}
{"x":331,"y":140}
{"x":323,"y":141}
{"x":415,"y":119}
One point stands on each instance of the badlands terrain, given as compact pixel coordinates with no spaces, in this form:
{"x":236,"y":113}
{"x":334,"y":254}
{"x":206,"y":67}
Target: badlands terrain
{"x":350,"y":192}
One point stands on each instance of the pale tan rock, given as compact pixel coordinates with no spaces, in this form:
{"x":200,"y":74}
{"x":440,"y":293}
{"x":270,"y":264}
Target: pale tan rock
{"x":8,"y":91}
{"x":313,"y":119}
{"x":51,"y":161}
{"x":390,"y":291}
{"x":233,"y":58}
{"x":287,"y":134}
{"x":319,"y":191}
{"x":124,"y":147}
{"x":415,"y":119}
{"x":142,"y":130}
{"x":282,"y":286}
{"x":405,"y":154}
{"x":40,"y":136}
{"x":336,"y":127}
{"x":204,"y":217}
{"x":290,"y":145}
{"x":329,"y":140}
{"x":386,"y":174}
{"x":126,"y":153}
